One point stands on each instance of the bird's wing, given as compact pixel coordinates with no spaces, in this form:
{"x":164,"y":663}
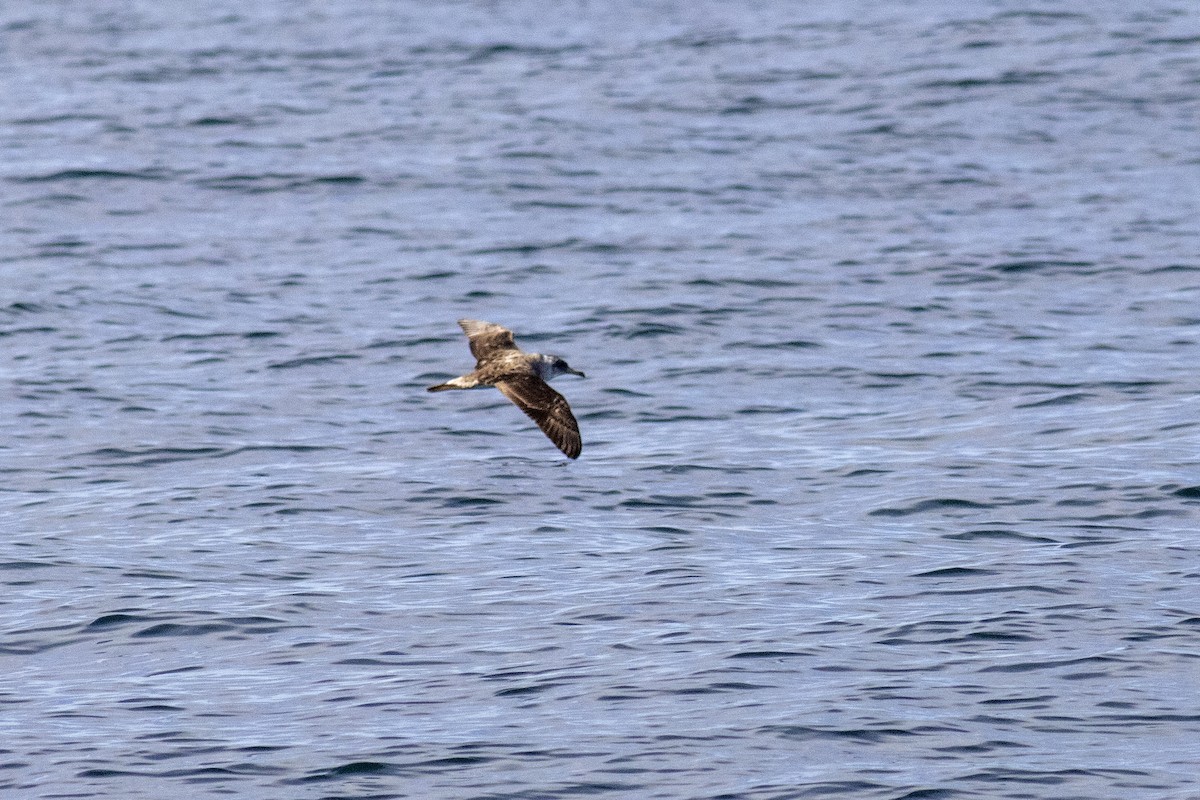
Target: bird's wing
{"x":547,"y":408}
{"x":486,"y":338}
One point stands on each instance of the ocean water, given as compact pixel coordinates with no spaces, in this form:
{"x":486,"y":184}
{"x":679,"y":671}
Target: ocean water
{"x":890,"y":483}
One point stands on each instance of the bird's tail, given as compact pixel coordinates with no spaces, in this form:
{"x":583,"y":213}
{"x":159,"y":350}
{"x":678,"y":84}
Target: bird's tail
{"x":463,"y":382}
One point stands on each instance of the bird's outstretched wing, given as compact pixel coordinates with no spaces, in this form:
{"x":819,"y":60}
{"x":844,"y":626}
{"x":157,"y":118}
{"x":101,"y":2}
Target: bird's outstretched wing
{"x":486,"y":338}
{"x":547,"y":408}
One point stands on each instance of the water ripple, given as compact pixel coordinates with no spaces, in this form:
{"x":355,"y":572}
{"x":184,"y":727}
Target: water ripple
{"x":889,"y":483}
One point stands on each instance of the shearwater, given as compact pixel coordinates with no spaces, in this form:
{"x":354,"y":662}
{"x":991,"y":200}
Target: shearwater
{"x":521,"y":377}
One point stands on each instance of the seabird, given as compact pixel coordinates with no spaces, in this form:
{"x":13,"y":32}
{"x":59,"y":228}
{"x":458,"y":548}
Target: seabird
{"x":521,"y":377}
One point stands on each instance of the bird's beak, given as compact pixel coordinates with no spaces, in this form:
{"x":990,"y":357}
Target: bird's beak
{"x":576,"y":372}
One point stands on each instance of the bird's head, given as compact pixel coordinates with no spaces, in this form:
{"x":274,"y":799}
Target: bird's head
{"x":553,"y":366}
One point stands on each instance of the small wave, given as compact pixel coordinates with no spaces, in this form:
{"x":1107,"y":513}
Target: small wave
{"x":1006,"y":78}
{"x":312,"y":361}
{"x":1061,"y":400}
{"x":112,"y":621}
{"x":153,"y":455}
{"x":83,"y":174}
{"x":1051,"y":663}
{"x":471,"y":502}
{"x":277,"y":182}
{"x":526,"y":248}
{"x":652,"y":330}
{"x":149,"y":456}
{"x":178,"y":629}
{"x":924,"y":506}
{"x":754,"y":654}
{"x":786,"y":344}
{"x":997,"y":534}
{"x":953,"y":572}
{"x":1042,"y":265}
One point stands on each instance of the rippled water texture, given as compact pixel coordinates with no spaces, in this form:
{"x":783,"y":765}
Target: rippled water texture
{"x":890,"y":314}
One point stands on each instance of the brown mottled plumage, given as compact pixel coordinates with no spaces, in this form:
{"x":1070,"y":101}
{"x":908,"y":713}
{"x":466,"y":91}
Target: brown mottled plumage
{"x":521,"y":377}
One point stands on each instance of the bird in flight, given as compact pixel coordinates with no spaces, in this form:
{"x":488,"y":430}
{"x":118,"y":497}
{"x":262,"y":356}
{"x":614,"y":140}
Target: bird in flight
{"x":522,"y":378}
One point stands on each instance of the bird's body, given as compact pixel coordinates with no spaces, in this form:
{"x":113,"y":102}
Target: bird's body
{"x":522,"y":378}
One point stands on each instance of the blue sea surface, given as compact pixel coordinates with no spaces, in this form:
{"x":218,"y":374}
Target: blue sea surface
{"x":891,"y":474}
